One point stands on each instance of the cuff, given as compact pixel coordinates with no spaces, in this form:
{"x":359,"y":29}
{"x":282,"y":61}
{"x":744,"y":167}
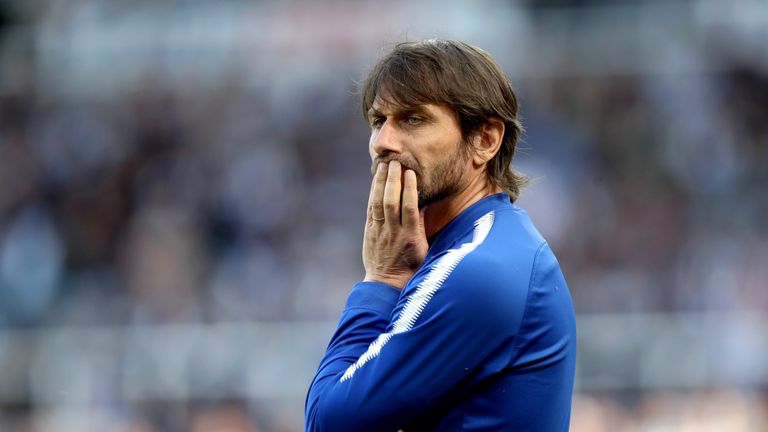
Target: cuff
{"x":373,"y":295}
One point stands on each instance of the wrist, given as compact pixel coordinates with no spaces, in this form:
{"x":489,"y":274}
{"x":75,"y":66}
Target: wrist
{"x":393,"y":281}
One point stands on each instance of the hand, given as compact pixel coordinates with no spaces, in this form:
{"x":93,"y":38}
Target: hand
{"x":394,"y":244}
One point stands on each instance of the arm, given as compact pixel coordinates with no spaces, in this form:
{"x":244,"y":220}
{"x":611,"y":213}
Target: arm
{"x":394,"y":246}
{"x":403,"y":373}
{"x":364,"y":318}
{"x":393,"y":359}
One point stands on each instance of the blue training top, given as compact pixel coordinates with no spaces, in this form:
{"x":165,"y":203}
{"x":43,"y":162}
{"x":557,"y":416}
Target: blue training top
{"x":482,"y":338}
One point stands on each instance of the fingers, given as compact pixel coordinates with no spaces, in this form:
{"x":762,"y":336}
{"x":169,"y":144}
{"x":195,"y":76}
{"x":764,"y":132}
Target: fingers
{"x":410,"y":201}
{"x":392,"y":191}
{"x":387,"y":190}
{"x":375,"y":199}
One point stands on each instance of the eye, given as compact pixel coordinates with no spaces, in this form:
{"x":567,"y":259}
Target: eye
{"x":377,"y":122}
{"x":414,"y":120}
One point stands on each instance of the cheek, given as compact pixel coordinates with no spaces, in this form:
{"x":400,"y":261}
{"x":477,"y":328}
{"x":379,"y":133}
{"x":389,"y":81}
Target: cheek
{"x":370,"y":146}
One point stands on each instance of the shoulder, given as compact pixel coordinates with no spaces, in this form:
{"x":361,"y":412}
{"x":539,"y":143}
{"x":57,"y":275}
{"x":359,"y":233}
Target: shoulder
{"x":489,"y":265}
{"x":511,"y":259}
{"x":508,"y":253}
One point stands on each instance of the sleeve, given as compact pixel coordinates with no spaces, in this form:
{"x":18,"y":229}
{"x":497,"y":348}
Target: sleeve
{"x":384,"y":369}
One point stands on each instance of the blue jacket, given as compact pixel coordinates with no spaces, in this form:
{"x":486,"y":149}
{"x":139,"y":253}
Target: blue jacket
{"x":482,"y":338}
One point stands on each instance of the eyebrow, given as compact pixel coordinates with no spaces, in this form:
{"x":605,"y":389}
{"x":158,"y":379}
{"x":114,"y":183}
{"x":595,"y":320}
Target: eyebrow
{"x":419,"y":109}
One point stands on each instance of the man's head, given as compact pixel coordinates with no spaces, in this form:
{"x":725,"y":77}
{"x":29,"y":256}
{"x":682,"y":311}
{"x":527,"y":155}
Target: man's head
{"x":439,"y":78}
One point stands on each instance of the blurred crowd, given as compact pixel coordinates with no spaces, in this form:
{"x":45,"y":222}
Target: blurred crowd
{"x":245,"y":202}
{"x":165,"y":207}
{"x":241,"y":201}
{"x":704,"y":411}
{"x":662,"y":181}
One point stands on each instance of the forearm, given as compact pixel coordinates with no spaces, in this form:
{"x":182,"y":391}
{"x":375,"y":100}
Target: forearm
{"x":366,"y":316}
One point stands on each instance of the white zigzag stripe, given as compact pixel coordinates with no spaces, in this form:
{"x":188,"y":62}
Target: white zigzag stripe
{"x":424,"y":292}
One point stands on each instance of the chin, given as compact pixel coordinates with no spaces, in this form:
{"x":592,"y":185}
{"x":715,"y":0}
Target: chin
{"x":427,"y":200}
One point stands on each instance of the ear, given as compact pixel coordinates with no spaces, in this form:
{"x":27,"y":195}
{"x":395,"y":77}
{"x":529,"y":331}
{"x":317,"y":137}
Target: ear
{"x":487,"y":141}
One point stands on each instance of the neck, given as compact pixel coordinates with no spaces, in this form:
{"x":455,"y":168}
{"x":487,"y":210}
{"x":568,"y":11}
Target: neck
{"x":440,"y":213}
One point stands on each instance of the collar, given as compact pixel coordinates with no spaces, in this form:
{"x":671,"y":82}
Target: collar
{"x":465,"y":222}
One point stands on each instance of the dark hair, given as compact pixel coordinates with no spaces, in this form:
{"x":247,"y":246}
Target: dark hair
{"x":461,"y":76}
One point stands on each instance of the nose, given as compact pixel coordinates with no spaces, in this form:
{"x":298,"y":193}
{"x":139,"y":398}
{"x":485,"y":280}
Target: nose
{"x":386,"y":139}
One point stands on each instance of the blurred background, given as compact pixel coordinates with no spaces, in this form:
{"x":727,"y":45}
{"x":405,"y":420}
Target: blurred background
{"x":183,"y":188}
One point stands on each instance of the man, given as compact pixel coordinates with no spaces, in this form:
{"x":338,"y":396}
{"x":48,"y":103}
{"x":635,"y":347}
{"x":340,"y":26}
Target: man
{"x":464,"y":320}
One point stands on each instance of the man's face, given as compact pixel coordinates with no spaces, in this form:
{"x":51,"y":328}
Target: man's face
{"x":426,"y":139}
